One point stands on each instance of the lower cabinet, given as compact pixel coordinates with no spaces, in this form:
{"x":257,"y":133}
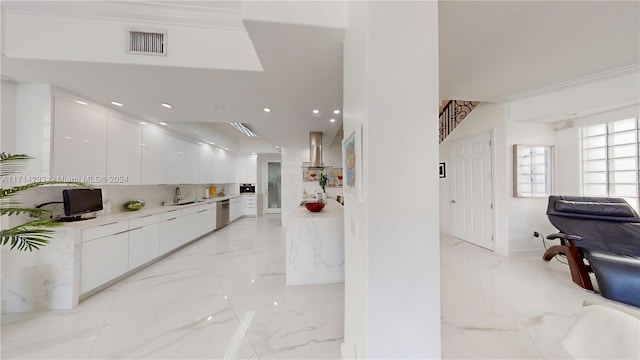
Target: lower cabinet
{"x":103,"y":259}
{"x":236,"y":208}
{"x":170,"y":234}
{"x":113,"y":249}
{"x":191,"y":227}
{"x":250,"y":205}
{"x":144,"y":245}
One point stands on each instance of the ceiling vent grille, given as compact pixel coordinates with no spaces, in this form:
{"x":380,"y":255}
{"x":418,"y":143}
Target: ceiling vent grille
{"x":147,"y":42}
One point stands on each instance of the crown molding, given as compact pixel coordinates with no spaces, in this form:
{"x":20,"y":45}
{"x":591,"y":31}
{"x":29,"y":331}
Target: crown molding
{"x":182,"y":13}
{"x":571,"y":83}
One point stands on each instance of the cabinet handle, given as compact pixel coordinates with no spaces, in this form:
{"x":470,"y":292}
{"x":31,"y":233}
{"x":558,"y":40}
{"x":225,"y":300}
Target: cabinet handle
{"x":145,"y":216}
{"x":201,"y":211}
{"x":121,"y":232}
{"x":115,"y":222}
{"x":172,"y":219}
{"x":139,"y":227}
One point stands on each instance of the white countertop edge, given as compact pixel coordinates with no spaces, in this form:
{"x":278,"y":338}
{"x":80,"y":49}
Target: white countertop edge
{"x":128,"y":215}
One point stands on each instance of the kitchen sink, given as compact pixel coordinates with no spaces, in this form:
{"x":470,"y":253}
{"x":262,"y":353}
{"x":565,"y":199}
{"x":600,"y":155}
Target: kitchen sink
{"x":184,"y":203}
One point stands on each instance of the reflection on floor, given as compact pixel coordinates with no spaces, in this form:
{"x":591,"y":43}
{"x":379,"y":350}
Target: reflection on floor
{"x":224,"y":297}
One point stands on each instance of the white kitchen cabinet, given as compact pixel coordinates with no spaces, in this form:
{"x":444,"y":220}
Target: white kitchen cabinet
{"x":236,"y":208}
{"x":191,"y":226}
{"x":79,"y":142}
{"x":208,"y":218}
{"x":144,"y":240}
{"x":182,"y":161}
{"x":170,"y":231}
{"x":246,"y":169}
{"x":252,"y":169}
{"x":124,"y":155}
{"x":250,"y":205}
{"x":154,"y":156}
{"x":224,"y":167}
{"x":175,"y":160}
{"x":103,"y":259}
{"x":206,"y":164}
{"x":191,"y":163}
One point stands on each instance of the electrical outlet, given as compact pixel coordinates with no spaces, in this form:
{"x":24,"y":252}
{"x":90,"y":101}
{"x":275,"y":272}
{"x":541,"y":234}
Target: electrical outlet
{"x":536,"y":234}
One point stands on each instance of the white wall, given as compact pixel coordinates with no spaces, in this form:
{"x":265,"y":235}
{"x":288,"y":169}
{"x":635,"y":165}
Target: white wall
{"x":526,"y":215}
{"x":392,"y":286}
{"x":8,"y":117}
{"x":314,"y":13}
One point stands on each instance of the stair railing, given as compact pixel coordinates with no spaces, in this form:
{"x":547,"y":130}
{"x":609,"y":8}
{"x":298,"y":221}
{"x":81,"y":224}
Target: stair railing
{"x":452,"y":115}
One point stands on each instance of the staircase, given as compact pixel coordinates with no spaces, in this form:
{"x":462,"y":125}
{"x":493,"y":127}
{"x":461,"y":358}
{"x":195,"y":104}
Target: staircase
{"x":452,"y":114}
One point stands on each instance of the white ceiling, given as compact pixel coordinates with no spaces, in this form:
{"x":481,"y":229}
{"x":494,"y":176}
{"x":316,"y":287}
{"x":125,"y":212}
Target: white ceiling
{"x":492,"y":49}
{"x":488,"y":51}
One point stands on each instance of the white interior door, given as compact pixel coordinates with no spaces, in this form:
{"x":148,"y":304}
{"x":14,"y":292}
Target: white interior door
{"x":471,"y":191}
{"x":273,"y":190}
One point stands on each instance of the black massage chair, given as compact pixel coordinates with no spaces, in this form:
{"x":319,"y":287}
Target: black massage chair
{"x":606,"y":233}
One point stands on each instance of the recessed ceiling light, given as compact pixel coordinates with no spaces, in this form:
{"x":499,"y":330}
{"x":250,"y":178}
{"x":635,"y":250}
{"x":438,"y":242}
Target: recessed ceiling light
{"x":143,"y":123}
{"x":316,"y":111}
{"x":253,"y":153}
{"x":168,"y":106}
{"x":332,"y":120}
{"x":336,"y":111}
{"x":200,"y":143}
{"x":81,"y":102}
{"x":212,"y":143}
{"x":116,"y":103}
{"x":277,"y":147}
{"x":163,"y":123}
{"x":243,"y":129}
{"x":267,"y":109}
{"x":226,"y":149}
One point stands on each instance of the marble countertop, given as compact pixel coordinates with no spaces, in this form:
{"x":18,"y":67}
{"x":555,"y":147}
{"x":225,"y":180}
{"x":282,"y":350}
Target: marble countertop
{"x":128,"y":215}
{"x":331,"y":209}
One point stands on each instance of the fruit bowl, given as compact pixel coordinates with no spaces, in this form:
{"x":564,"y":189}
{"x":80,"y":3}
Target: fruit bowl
{"x":314,"y":206}
{"x":133,"y":205}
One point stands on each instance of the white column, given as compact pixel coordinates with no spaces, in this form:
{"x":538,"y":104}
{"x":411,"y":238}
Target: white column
{"x":392,"y":285}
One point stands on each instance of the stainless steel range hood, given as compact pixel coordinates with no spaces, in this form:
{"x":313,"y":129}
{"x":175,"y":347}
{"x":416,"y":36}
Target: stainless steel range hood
{"x":315,"y":149}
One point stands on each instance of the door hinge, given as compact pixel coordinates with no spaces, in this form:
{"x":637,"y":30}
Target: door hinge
{"x":492,"y":206}
{"x":489,"y":142}
{"x":491,"y":237}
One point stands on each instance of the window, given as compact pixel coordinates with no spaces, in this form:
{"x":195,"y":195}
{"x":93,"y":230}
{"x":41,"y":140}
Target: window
{"x":533,"y":171}
{"x":611,"y":160}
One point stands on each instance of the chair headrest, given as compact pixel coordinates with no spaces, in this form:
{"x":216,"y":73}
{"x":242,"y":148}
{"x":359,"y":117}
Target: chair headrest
{"x":595,"y":208}
{"x":606,"y":209}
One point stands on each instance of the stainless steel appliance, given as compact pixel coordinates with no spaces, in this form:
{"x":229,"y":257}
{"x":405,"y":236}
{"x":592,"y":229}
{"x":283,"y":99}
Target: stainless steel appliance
{"x":222,"y":214}
{"x":247,"y":189}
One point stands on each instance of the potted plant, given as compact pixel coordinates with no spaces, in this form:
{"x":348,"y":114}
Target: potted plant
{"x":34,"y":233}
{"x":322,"y":181}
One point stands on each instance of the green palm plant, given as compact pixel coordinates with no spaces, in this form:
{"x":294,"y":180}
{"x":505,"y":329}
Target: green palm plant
{"x":34,"y":233}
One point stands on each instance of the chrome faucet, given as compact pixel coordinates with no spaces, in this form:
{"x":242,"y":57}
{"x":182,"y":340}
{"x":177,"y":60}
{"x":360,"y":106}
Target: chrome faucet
{"x":176,"y":197}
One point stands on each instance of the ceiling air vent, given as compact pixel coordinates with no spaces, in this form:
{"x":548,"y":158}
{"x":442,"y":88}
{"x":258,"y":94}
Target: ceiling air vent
{"x":147,"y":42}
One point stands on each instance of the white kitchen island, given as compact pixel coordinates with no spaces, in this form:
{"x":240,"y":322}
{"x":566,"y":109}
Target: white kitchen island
{"x":315,"y":245}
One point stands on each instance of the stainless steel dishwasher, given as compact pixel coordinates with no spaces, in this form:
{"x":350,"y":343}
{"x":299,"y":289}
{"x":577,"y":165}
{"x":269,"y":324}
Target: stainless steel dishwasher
{"x":222,"y":214}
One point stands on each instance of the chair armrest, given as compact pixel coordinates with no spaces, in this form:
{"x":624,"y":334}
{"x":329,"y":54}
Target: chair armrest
{"x":564,"y":237}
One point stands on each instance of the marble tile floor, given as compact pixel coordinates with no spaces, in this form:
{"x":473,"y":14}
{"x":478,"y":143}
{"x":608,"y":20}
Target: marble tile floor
{"x":225,"y":297}
{"x":222,"y":297}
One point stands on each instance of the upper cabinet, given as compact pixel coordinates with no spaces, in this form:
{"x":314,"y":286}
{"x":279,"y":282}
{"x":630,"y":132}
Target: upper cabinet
{"x":224,"y":167}
{"x":206,"y":164}
{"x":79,"y":142}
{"x":246,"y":169}
{"x":183,"y":162}
{"x":124,"y":155}
{"x":154,"y":156}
